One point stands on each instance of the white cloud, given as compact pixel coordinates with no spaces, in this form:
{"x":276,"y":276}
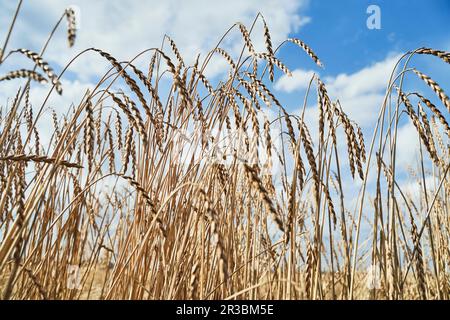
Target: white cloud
{"x":368,"y":80}
{"x":407,"y":146}
{"x":299,"y":80}
{"x":361,"y":93}
{"x":125,"y":28}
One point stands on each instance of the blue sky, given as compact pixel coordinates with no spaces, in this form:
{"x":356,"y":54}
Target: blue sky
{"x":338,"y":30}
{"x":358,"y":61}
{"x":339,"y":35}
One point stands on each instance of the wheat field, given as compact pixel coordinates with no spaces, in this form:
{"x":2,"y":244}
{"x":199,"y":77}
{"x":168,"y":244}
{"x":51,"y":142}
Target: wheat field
{"x":193,"y":191}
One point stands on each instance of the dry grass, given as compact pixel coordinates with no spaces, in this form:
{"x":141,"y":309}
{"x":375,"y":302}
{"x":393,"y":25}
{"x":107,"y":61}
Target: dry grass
{"x":183,"y":220}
